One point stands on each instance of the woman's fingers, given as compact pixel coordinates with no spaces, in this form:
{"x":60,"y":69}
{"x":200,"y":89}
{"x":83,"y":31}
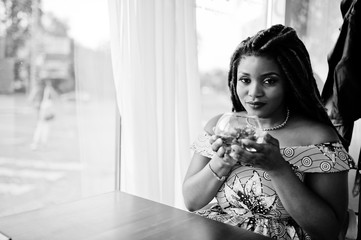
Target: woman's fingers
{"x":271,"y":140}
{"x":217,"y":144}
{"x":236,"y":148}
{"x":221,"y":151}
{"x":234,"y":155}
{"x":241,"y":154}
{"x":251,"y":146}
{"x":212,"y":139}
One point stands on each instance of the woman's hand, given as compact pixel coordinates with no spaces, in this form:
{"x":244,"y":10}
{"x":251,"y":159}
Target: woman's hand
{"x":222,"y":152}
{"x":265,"y":155}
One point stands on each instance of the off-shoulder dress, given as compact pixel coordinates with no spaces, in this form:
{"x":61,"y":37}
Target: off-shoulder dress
{"x":247,"y":198}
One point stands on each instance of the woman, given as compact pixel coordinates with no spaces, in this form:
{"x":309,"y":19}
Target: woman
{"x":294,"y":185}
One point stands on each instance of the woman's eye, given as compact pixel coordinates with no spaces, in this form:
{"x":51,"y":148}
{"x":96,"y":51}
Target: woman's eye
{"x":269,"y":81}
{"x":244,"y":80}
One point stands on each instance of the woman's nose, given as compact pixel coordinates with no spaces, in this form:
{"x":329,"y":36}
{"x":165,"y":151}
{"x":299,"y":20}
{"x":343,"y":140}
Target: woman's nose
{"x":255,"y":90}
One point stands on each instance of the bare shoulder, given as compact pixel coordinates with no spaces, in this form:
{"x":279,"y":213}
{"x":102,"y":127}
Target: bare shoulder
{"x":311,"y":132}
{"x":211,"y":124}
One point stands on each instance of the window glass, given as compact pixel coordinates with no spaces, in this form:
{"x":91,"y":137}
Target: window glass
{"x":220,"y":27}
{"x":222,"y":24}
{"x":57,"y":103}
{"x":317,"y":24}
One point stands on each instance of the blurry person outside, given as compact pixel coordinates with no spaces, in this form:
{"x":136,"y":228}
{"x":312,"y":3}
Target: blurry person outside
{"x":45,"y":105}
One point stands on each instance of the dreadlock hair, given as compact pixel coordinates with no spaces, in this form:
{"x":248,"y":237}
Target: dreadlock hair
{"x":283,"y":45}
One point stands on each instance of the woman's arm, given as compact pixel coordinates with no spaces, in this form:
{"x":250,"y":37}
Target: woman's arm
{"x":318,"y":205}
{"x":200,"y":184}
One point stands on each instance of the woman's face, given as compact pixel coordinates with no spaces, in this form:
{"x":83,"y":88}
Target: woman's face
{"x":261,"y":86}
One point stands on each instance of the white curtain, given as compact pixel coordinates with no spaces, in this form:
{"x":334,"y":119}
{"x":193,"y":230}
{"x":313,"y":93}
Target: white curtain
{"x":154,"y":54}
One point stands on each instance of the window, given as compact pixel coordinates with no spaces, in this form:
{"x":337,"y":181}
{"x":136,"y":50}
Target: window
{"x":220,"y":27}
{"x":222,"y":24}
{"x":63,"y":46}
{"x":57,"y":103}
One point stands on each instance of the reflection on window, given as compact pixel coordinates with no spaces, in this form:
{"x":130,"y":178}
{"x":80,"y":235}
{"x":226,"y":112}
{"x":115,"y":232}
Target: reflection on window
{"x":57,"y":103}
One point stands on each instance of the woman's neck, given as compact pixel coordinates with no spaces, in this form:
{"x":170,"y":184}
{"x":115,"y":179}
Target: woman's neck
{"x":277,"y":121}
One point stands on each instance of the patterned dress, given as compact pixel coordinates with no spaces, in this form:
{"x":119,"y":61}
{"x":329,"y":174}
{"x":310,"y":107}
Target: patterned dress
{"x":247,"y":198}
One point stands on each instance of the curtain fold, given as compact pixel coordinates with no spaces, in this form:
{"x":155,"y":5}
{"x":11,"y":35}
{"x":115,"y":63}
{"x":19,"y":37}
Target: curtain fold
{"x":154,"y":58}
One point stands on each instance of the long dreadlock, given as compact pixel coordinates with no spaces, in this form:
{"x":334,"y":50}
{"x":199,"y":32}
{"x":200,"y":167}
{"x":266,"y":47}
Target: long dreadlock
{"x":282,"y":44}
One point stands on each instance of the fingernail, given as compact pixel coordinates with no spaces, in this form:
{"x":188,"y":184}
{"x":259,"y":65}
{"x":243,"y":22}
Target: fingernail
{"x":219,"y":141}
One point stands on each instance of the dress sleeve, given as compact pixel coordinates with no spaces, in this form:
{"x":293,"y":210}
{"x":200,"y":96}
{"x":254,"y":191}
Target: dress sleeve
{"x":202,"y":146}
{"x":320,"y":158}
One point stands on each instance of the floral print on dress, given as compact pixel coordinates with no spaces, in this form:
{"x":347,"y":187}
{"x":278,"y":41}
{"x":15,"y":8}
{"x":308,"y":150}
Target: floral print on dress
{"x":247,"y":199}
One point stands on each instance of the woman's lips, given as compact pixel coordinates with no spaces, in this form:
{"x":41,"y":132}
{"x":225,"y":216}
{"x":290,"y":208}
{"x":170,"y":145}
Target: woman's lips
{"x":256,"y":105}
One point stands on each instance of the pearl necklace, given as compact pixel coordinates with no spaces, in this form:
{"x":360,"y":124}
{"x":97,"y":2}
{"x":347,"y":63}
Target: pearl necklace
{"x":275,"y":127}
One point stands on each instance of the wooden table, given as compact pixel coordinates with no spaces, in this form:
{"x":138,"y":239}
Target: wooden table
{"x":117,"y":215}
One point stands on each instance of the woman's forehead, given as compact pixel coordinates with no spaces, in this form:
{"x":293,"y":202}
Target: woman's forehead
{"x":258,"y":63}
